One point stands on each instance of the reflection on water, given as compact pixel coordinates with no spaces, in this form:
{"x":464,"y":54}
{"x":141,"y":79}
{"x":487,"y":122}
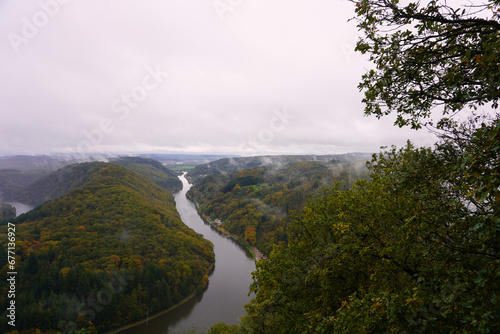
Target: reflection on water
{"x":227,"y":292}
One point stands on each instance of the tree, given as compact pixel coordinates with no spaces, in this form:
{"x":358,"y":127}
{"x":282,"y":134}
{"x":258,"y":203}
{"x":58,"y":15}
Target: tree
{"x":471,"y":151}
{"x":7,"y":211}
{"x":402,"y":252}
{"x":429,"y":55}
{"x":71,"y":275}
{"x":415,"y":248}
{"x":250,"y":235}
{"x":434,"y":55}
{"x":32,"y":265}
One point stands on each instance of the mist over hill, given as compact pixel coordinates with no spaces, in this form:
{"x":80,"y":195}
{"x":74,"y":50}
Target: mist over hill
{"x":35,"y":179}
{"x":229,"y":164}
{"x":253,"y":198}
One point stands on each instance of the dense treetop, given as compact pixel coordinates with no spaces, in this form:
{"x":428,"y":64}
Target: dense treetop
{"x":152,"y":169}
{"x":429,"y":54}
{"x":6,"y":211}
{"x":403,"y":252}
{"x":413,"y":249}
{"x":438,"y":57}
{"x":116,"y":226}
{"x":235,"y":163}
{"x":12,"y":181}
{"x":254,"y":203}
{"x":34,"y":187}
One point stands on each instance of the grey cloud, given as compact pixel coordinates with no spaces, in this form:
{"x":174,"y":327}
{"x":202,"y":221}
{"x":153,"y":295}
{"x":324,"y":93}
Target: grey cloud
{"x":225,"y":78}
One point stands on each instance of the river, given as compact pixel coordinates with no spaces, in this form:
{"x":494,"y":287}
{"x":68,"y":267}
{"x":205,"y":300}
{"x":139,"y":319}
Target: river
{"x":227,"y":291}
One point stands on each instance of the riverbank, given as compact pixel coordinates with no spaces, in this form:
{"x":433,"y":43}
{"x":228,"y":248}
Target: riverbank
{"x":224,"y":299}
{"x":217,"y":225}
{"x":159,"y":314}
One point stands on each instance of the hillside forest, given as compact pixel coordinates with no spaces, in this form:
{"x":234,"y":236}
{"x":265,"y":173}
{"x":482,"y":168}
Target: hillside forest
{"x":106,"y":253}
{"x":411,"y":249}
{"x":405,"y":243}
{"x":414,"y":248}
{"x":254,"y":203}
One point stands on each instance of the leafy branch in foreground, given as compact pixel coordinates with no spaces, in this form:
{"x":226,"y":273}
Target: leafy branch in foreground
{"x":404,"y":252}
{"x":427,"y":56}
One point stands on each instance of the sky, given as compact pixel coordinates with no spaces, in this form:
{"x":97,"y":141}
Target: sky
{"x":246,"y":77}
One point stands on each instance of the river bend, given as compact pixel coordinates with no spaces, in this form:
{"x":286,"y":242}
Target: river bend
{"x":227,"y":291}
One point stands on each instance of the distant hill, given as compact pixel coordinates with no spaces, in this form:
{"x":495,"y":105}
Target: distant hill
{"x":48,"y":186}
{"x":56,"y":161}
{"x":57,"y":183}
{"x":36,"y":162}
{"x":230,"y":164}
{"x":110,"y":251}
{"x":17,"y":172}
{"x":254,"y":203}
{"x":13,"y":181}
{"x":188,"y":158}
{"x":152,"y":169}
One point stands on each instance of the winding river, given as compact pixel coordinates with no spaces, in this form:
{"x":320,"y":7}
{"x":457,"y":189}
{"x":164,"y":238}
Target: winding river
{"x":227,"y":291}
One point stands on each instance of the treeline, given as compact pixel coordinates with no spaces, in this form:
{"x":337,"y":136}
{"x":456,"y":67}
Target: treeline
{"x":107,"y":253}
{"x":12,"y":181}
{"x":6,"y":212}
{"x":414,"y":249}
{"x":152,"y":169}
{"x":56,"y":184}
{"x":254,"y":203}
{"x":35,"y":187}
{"x":227,"y":165}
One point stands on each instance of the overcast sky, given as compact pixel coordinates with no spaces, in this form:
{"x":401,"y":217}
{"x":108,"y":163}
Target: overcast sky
{"x":185,"y":76}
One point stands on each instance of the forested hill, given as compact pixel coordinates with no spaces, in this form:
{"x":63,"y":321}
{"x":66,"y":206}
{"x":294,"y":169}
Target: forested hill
{"x":70,"y":177}
{"x":152,"y":169}
{"x":12,"y":181}
{"x":231,"y":164}
{"x":58,"y":183}
{"x":254,"y":203}
{"x":103,"y":255}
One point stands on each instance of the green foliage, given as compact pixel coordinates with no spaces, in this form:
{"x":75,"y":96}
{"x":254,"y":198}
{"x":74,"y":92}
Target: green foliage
{"x":181,"y":167}
{"x":152,"y":169}
{"x":13,"y":180}
{"x":254,"y":203}
{"x":429,"y":55}
{"x":35,"y":188}
{"x":473,"y":151}
{"x":233,"y":164}
{"x":414,"y":249}
{"x":7,"y":211}
{"x":223,"y":328}
{"x":404,"y":252}
{"x":58,"y":183}
{"x":103,"y":255}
